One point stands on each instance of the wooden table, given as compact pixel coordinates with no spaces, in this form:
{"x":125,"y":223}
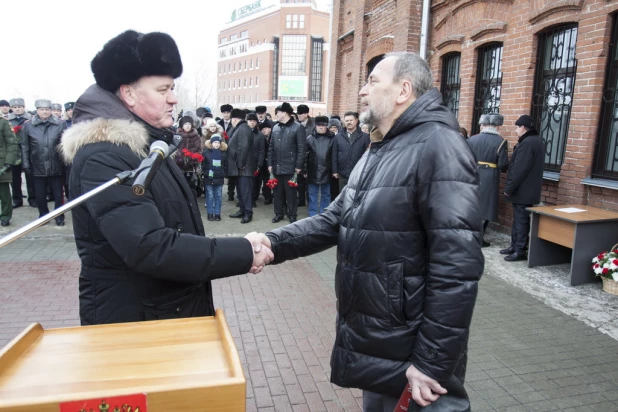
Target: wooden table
{"x":560,"y":237}
{"x":174,"y":365}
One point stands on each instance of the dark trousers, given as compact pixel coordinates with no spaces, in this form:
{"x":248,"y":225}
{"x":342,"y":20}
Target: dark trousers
{"x":334,"y":188}
{"x":55,"y":182}
{"x":244,"y":188}
{"x":485,"y":224}
{"x":301,"y":189}
{"x":521,"y":228}
{"x":375,"y":402}
{"x":285,"y":195}
{"x":6,"y":205}
{"x":260,"y":182}
{"x":66,"y":173}
{"x":16,"y":185}
{"x":231,"y":186}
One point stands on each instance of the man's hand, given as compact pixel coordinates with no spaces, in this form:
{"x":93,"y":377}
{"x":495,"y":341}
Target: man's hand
{"x":336,"y":175}
{"x":262,"y":255}
{"x":298,"y":170}
{"x":270,"y":169}
{"x":425,"y":390}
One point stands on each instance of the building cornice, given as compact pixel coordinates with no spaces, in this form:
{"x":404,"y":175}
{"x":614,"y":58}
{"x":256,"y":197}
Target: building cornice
{"x":495,"y":27}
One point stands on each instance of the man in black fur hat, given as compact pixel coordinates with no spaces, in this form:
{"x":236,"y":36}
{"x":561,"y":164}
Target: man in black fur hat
{"x":261,"y":113}
{"x":241,"y":164}
{"x":143,"y":257}
{"x":286,"y":158}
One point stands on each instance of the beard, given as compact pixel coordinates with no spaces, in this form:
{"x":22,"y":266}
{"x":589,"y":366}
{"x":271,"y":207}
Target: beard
{"x":376,"y":113}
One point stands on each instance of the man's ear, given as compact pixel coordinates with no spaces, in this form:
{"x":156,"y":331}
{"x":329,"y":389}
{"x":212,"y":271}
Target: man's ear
{"x":127,"y":95}
{"x":405,"y":92}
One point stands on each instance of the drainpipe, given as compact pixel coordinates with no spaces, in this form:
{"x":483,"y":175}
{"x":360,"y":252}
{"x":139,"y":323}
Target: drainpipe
{"x":425,"y":29}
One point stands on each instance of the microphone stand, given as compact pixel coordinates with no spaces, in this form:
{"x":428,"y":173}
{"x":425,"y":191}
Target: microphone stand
{"x":120,"y":178}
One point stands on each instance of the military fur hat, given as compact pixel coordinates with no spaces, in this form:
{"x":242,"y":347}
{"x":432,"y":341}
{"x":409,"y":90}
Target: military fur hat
{"x":18,"y":101}
{"x":238,"y":114}
{"x":43,"y":104}
{"x":260,"y":109}
{"x":302,"y":109}
{"x":131,"y":55}
{"x":56,"y":106}
{"x":69,"y":106}
{"x":491,"y":119}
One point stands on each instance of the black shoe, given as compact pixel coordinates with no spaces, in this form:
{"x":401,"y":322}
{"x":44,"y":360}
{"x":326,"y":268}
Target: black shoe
{"x":268,"y":202}
{"x":246,"y":219}
{"x":237,"y":215}
{"x":5,"y":222}
{"x":218,"y":218}
{"x":508,"y":251}
{"x":60,"y":222}
{"x":237,"y":204}
{"x":485,"y":244}
{"x":17,"y":204}
{"x":32,"y":203}
{"x":230,"y":198}
{"x":254,"y":204}
{"x":515,"y":257}
{"x":292,"y":219}
{"x":277,"y":219}
{"x":211,"y":217}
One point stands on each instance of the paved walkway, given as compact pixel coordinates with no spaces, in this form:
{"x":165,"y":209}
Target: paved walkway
{"x":524,"y":354}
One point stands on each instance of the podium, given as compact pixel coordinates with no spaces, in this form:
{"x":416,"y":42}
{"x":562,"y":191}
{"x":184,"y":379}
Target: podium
{"x":168,"y":365}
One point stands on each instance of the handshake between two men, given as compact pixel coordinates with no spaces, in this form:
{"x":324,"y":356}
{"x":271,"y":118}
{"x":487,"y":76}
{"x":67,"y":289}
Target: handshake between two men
{"x":262,"y":253}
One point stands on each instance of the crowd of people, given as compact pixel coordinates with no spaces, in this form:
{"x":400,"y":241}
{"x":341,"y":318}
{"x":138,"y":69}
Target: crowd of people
{"x":294,"y":160}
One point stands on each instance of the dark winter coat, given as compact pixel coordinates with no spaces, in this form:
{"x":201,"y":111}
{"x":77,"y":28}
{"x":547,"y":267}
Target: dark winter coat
{"x":143,"y":257}
{"x":319,"y":158}
{"x":525,"y":176}
{"x":407,"y":231}
{"x":40,"y":146}
{"x":218,"y":172}
{"x":490,"y":148}
{"x":347,"y":153}
{"x":193,"y":143}
{"x":240,"y":158}
{"x":287,"y":148}
{"x":259,"y":148}
{"x":309,"y":127}
{"x":9,"y":150}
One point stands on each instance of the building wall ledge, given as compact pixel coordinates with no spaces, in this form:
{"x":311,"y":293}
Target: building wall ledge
{"x":555,"y":7}
{"x":604,"y":183}
{"x":553,"y":176}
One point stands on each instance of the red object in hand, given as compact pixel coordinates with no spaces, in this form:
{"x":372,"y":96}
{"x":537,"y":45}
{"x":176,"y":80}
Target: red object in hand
{"x":225,"y":136}
{"x":17,"y":129}
{"x":256,"y":173}
{"x":404,"y":401}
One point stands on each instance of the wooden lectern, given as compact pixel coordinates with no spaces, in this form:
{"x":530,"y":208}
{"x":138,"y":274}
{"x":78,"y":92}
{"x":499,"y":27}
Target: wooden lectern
{"x":169,"y":365}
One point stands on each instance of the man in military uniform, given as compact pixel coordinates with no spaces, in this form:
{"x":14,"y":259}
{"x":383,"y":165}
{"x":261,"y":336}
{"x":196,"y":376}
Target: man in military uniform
{"x":17,"y":119}
{"x":57,"y":110}
{"x":491,"y":152}
{"x":9,"y":153}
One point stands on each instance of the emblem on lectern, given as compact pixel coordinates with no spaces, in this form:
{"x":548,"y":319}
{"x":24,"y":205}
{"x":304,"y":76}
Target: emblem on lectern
{"x":129,"y":403}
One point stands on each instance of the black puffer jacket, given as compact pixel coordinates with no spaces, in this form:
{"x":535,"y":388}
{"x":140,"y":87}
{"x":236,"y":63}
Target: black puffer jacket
{"x":319,"y":163}
{"x":40,"y":146}
{"x":524,"y":179}
{"x":407,"y":231}
{"x":143,"y":258}
{"x":259,"y":148}
{"x":240,"y":158}
{"x":287,"y":148}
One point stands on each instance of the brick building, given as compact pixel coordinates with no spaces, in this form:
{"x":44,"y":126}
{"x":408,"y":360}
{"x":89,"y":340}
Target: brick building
{"x":273,"y":51}
{"x":554,"y":59}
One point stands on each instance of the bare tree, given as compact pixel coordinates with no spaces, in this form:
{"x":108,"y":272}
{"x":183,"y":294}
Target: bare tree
{"x":196,"y":91}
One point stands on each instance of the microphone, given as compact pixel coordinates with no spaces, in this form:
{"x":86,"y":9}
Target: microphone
{"x":159,"y":150}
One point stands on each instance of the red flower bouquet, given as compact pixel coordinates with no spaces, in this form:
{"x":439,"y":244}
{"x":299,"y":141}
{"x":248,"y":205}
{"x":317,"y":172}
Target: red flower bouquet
{"x":189,"y":156}
{"x":293,"y":181}
{"x":17,"y":129}
{"x":256,"y":173}
{"x":225,"y":136}
{"x":272,"y":181}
